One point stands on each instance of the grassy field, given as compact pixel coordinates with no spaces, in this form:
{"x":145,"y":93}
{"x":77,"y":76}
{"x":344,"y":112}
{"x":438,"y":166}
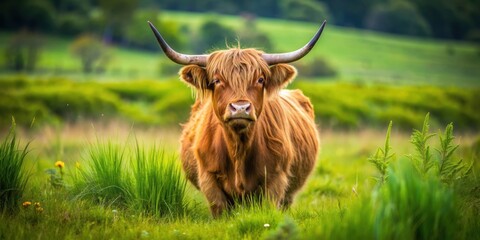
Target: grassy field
{"x":359,"y":55}
{"x":335,"y":203}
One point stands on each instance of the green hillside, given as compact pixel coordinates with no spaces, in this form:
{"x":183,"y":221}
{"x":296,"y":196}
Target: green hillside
{"x":358,"y":55}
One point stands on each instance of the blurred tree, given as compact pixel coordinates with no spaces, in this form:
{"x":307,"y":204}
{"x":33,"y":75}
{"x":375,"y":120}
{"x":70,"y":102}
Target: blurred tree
{"x":450,"y":19}
{"x":73,"y":6}
{"x":91,"y":51}
{"x":117,"y":14}
{"x":304,"y":10}
{"x":264,"y":8}
{"x":251,"y":36}
{"x":397,"y":16}
{"x":137,"y":32}
{"x":71,"y":24}
{"x":214,"y":35}
{"x":35,"y":15}
{"x":350,"y":13}
{"x":23,"y":51}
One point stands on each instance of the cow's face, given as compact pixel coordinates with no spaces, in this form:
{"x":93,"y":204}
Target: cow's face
{"x":238,"y":82}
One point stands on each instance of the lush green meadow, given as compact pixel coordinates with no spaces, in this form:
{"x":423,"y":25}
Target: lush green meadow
{"x":99,"y":152}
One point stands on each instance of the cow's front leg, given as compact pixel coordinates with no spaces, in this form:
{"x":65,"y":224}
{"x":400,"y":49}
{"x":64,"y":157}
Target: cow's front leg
{"x":215,"y":196}
{"x":275,"y":188}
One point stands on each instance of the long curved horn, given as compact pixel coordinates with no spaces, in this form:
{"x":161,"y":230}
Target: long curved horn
{"x":183,"y":59}
{"x":275,"y":58}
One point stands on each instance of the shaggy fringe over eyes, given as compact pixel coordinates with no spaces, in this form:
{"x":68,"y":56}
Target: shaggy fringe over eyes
{"x":239,"y":65}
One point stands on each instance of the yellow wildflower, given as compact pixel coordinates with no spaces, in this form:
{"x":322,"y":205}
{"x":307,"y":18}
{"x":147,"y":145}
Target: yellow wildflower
{"x":26,"y":204}
{"x":77,"y":164}
{"x":39,"y":209}
{"x":37,"y":205}
{"x":59,"y":164}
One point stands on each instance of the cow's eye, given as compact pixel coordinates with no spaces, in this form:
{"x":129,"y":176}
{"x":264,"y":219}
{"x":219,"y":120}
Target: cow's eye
{"x":215,"y":81}
{"x":260,"y":81}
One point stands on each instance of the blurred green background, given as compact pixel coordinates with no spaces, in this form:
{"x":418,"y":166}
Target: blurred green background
{"x":75,"y":60}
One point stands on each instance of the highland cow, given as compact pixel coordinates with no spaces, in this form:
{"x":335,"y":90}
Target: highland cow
{"x":246,"y":136}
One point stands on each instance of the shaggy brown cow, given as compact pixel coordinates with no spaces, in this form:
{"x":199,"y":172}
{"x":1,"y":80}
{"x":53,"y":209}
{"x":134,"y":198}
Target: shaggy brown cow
{"x":246,"y":136}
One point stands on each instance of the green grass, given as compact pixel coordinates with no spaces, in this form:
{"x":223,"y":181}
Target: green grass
{"x":13,"y":174}
{"x":359,"y":55}
{"x":128,"y":174}
{"x":159,"y":184}
{"x":339,"y":201}
{"x":103,"y":177}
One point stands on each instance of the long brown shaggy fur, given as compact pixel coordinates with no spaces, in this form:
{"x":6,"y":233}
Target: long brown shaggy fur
{"x":276,"y":152}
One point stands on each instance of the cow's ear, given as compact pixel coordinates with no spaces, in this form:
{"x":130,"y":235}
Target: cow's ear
{"x":282,"y":75}
{"x":195,"y":76}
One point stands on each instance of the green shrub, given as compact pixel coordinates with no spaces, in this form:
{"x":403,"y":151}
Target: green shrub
{"x":336,"y":104}
{"x":13,"y":175}
{"x":318,"y":67}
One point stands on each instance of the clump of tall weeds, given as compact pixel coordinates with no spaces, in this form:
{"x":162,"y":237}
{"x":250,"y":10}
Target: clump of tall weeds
{"x":443,"y":164}
{"x":414,"y":199}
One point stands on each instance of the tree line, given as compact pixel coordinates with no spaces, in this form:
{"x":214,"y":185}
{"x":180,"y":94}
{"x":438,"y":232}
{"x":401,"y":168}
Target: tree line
{"x":459,"y":19}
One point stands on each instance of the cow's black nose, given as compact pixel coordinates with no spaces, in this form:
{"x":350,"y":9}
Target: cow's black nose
{"x":240,"y":107}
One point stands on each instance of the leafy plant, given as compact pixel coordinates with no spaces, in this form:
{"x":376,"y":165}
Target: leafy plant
{"x":13,"y":176}
{"x":382,"y":158}
{"x":448,"y":168}
{"x":423,"y":160}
